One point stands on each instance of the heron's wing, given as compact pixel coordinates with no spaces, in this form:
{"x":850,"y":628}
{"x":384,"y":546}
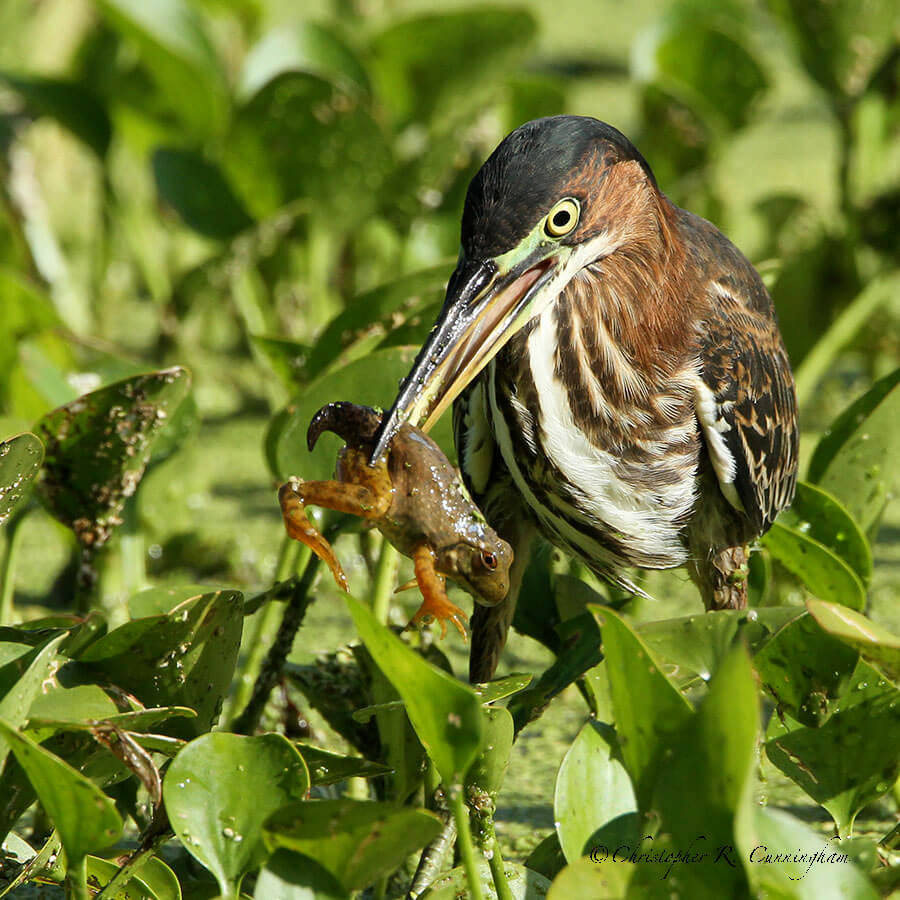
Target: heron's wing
{"x":746,"y":371}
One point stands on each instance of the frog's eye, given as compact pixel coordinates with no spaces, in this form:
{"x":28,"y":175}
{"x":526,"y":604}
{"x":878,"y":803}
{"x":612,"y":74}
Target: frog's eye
{"x":562,"y":218}
{"x":489,"y":560}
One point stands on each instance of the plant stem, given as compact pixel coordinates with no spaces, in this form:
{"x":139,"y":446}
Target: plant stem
{"x":265,"y":626}
{"x":464,"y":842}
{"x":274,"y":662}
{"x":382,"y":584}
{"x":495,"y":861}
{"x":8,"y":570}
{"x":76,"y":880}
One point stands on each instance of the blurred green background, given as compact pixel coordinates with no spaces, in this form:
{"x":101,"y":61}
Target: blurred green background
{"x":265,"y":192}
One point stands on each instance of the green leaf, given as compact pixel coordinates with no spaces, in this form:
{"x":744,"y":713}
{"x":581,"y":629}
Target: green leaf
{"x":219,"y":791}
{"x":547,"y":858}
{"x":303,"y":137}
{"x":601,"y":880}
{"x":816,"y":513}
{"x":433,"y":61}
{"x":177,"y":51}
{"x":805,"y":670}
{"x":72,"y":105}
{"x":850,"y":760}
{"x":446,"y":714}
{"x":16,"y":700}
{"x":694,"y":646}
{"x":648,"y":708}
{"x":372,"y":381}
{"x":331,"y":768}
{"x":860,"y":472}
{"x":154,"y":881}
{"x":709,"y":70}
{"x":489,"y":768}
{"x":523,"y":883}
{"x":823,"y":573}
{"x":876,"y":644}
{"x":358,"y":841}
{"x":198,"y":191}
{"x":594,"y":802}
{"x":20,"y":461}
{"x":369,"y":316}
{"x":823,"y":353}
{"x":292,"y":876}
{"x":288,"y":359}
{"x":705,"y":785}
{"x":812,"y":869}
{"x":305,"y":47}
{"x":183,"y":658}
{"x":501,"y":688}
{"x":84,"y":816}
{"x":96,"y":449}
{"x":841,"y":43}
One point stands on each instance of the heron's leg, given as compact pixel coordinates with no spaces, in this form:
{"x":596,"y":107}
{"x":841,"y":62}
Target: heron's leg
{"x":435,"y":604}
{"x":358,"y":499}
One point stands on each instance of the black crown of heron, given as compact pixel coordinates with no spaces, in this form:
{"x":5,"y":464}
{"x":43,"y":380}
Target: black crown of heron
{"x":618,"y":380}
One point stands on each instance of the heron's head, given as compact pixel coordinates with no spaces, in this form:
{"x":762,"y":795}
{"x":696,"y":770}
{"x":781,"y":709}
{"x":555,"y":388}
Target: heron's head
{"x":557,"y":195}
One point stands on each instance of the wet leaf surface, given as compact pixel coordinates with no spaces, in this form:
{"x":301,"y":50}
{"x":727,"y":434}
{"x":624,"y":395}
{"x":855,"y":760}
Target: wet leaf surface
{"x":96,"y":449}
{"x":20,"y":462}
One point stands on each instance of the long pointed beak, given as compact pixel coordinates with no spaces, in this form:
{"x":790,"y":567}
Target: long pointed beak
{"x":483,"y":309}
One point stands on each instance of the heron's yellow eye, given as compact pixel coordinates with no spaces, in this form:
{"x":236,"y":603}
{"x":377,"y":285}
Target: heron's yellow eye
{"x":562,"y":218}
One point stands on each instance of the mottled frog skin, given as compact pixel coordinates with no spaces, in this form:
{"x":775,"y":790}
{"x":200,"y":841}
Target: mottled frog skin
{"x":415,"y":498}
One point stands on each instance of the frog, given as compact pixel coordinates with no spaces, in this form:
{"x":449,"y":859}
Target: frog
{"x":415,"y":497}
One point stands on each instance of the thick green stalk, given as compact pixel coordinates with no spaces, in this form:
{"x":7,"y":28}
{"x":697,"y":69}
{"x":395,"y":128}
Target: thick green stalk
{"x":383,"y":582}
{"x":76,"y":880}
{"x":464,"y":842}
{"x":495,"y":861}
{"x":8,"y":570}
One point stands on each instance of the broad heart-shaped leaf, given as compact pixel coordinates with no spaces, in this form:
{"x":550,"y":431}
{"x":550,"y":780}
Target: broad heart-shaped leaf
{"x":97,"y":446}
{"x":648,"y":708}
{"x":711,"y":71}
{"x":84,"y":816}
{"x":694,"y":646}
{"x":72,"y":105}
{"x":446,"y":714}
{"x":704,"y":789}
{"x":805,"y":670}
{"x":183,"y":658}
{"x":198,"y":191}
{"x":356,"y":840}
{"x":594,"y":804}
{"x":602,"y":879}
{"x":875,"y":643}
{"x":219,"y":791}
{"x":814,"y":868}
{"x":841,"y":43}
{"x":293,"y":876}
{"x":426,"y":63}
{"x":16,"y":700}
{"x":824,"y":574}
{"x":368,"y":317}
{"x":303,"y":137}
{"x":154,"y":881}
{"x":373,"y":381}
{"x":523,"y":883}
{"x":861,"y":472}
{"x":176,"y":50}
{"x":20,"y":461}
{"x":815,"y":513}
{"x":852,"y":759}
{"x":304,"y":47}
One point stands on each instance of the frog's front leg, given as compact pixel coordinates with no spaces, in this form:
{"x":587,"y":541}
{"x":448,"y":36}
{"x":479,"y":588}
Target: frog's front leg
{"x":436,"y":604}
{"x":294,"y":495}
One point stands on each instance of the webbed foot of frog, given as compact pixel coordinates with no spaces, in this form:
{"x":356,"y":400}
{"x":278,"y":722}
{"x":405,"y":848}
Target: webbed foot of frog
{"x":435,"y":604}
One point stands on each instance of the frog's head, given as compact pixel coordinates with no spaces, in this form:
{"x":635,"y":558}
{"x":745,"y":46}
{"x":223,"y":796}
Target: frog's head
{"x":480,"y":567}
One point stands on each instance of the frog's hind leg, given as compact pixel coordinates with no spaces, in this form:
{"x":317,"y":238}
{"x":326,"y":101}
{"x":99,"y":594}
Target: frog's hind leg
{"x":435,"y":604}
{"x":294,"y":495}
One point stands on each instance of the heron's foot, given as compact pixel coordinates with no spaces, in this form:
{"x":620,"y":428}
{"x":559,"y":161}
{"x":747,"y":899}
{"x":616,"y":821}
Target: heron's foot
{"x":435,"y":603}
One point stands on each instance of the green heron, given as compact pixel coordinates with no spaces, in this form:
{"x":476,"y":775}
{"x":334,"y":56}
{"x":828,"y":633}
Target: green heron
{"x":619,"y":379}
